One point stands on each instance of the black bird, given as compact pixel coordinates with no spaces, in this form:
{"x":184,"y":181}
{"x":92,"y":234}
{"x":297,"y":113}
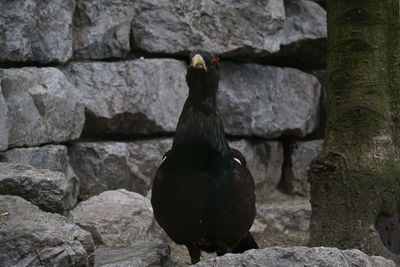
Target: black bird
{"x":203,"y":194}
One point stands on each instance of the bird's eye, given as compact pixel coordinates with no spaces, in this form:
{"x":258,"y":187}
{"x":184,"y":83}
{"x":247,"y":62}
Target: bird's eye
{"x":214,"y":62}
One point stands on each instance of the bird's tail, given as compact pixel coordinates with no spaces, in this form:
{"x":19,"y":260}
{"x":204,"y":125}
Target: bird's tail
{"x":246,"y":243}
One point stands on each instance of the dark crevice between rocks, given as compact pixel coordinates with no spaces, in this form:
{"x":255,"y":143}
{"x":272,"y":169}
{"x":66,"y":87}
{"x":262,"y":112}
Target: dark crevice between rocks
{"x":388,"y":227}
{"x":285,"y":184}
{"x":305,"y":55}
{"x":11,"y":64}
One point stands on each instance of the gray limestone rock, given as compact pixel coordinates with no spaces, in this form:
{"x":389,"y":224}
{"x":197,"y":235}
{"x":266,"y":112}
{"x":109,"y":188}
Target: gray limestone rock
{"x":36,"y":30}
{"x":268,"y":101}
{"x":30,"y":237}
{"x":223,"y":27}
{"x":50,"y":190}
{"x":50,"y":157}
{"x":4,"y":124}
{"x":264,"y":160}
{"x":140,"y":255}
{"x":143,"y":96}
{"x":105,"y":166}
{"x":299,"y":257}
{"x":117,"y":219}
{"x":295,"y":174}
{"x":102,"y":28}
{"x":42,"y":106}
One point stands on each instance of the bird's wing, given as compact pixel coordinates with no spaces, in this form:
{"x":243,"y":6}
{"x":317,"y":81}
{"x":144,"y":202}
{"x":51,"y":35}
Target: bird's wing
{"x":238,"y":156}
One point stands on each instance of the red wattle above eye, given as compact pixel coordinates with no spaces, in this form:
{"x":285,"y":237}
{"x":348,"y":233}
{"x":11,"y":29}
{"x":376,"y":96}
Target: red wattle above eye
{"x":214,"y":61}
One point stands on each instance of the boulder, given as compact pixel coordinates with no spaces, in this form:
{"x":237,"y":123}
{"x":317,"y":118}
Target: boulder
{"x":299,"y":257}
{"x":223,"y":27}
{"x":117,"y":219}
{"x":50,"y":157}
{"x":295,"y":179}
{"x":42,"y":106}
{"x":4,"y":124}
{"x":143,"y":255}
{"x":105,"y":166}
{"x":30,"y":237}
{"x":282,"y":222}
{"x":36,"y":30}
{"x":268,"y":101}
{"x":264,"y":160}
{"x":102,"y":34}
{"x":143,"y":96}
{"x":50,"y":190}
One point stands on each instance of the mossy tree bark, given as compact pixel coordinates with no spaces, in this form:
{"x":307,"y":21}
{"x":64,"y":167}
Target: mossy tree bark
{"x":356,"y":178}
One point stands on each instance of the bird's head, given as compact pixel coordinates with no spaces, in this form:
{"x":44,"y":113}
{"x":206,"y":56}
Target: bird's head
{"x":202,"y":76}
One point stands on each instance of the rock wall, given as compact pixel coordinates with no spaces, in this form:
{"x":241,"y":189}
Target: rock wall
{"x":91,"y":92}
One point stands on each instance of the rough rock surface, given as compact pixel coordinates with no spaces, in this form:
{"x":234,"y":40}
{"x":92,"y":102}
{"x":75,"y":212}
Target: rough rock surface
{"x":30,"y":237}
{"x":268,"y":101}
{"x":102,"y":34}
{"x":143,"y":96}
{"x":140,"y":255}
{"x":50,"y":190}
{"x":264,"y":160}
{"x":299,"y":257}
{"x":50,"y":157}
{"x":295,"y":175}
{"x":174,"y":27}
{"x":117,"y":219}
{"x":42,"y":106}
{"x":4,"y":124}
{"x":282,"y":222}
{"x":113,"y":165}
{"x":36,"y":30}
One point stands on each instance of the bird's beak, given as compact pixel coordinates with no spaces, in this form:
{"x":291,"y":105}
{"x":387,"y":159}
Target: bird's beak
{"x":198,"y":62}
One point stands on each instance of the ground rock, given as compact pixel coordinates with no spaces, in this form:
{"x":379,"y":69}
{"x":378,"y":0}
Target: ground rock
{"x":30,"y":237}
{"x":50,"y":190}
{"x":42,"y":106}
{"x":105,"y":166}
{"x":36,"y":30}
{"x":299,"y":257}
{"x":140,"y":255}
{"x":282,"y":222}
{"x":117,"y":219}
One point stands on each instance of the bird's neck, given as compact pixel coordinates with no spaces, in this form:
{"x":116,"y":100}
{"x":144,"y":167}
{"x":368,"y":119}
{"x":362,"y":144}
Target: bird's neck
{"x":199,"y":126}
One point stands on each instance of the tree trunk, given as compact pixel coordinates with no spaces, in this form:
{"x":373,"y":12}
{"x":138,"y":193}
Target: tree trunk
{"x":355,"y":181}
